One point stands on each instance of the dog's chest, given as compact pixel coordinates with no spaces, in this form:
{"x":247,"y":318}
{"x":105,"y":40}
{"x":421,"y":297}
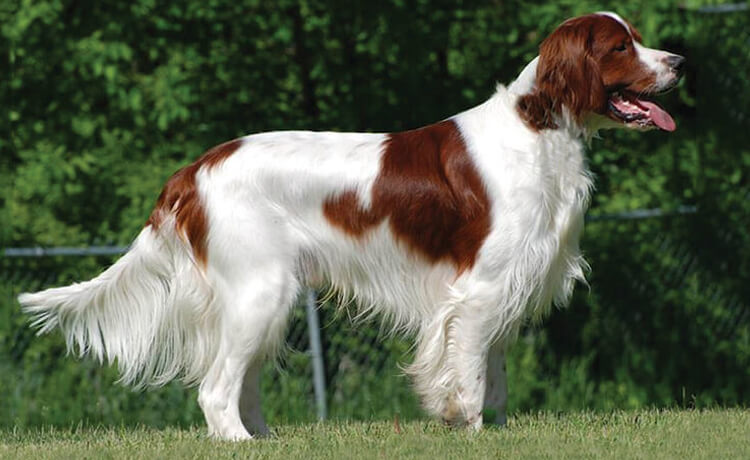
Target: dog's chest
{"x":539,"y":197}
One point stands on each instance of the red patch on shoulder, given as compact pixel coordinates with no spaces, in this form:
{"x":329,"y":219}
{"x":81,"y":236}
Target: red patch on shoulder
{"x":180,"y":197}
{"x":431,"y":193}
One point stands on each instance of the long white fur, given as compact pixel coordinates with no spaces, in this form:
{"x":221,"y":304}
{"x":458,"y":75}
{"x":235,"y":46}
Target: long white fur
{"x":151,"y":312}
{"x":160,"y":315}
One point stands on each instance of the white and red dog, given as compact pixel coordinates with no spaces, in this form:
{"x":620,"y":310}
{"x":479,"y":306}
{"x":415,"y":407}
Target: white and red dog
{"x":457,"y":232}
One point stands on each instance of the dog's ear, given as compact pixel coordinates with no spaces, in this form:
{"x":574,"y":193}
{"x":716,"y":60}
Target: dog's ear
{"x":567,"y":76}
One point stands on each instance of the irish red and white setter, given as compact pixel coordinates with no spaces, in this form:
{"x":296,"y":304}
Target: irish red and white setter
{"x":456,"y":232}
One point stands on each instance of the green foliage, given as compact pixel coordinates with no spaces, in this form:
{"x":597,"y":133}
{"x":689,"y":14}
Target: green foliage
{"x":102,"y":101}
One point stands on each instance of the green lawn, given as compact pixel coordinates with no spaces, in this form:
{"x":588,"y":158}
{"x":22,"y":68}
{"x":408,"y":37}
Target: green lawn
{"x":714,"y":434}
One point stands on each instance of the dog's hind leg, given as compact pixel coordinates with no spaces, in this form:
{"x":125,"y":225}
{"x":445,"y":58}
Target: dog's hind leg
{"x":254,"y":315}
{"x":250,"y":406}
{"x":496,"y":393}
{"x":254,"y":285}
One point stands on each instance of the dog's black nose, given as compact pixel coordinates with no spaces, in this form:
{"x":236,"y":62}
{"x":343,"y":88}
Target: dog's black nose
{"x":676,"y":62}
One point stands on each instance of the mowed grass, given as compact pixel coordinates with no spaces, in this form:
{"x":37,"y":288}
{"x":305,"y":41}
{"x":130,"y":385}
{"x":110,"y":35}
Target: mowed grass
{"x":659,"y":434}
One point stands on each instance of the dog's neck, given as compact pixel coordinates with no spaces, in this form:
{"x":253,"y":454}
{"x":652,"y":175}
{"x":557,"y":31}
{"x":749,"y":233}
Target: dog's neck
{"x":525,"y":83}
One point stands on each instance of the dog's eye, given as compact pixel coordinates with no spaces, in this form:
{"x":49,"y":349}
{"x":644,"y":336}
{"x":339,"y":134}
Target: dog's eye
{"x":621,"y":47}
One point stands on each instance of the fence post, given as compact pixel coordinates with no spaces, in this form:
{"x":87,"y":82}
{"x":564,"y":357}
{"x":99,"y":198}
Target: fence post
{"x":316,"y":353}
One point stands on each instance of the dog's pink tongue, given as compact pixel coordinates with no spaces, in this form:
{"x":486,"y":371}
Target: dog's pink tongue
{"x":659,"y":116}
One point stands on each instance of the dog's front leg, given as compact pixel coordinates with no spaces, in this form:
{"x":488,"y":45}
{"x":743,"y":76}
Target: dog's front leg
{"x":450,"y":367}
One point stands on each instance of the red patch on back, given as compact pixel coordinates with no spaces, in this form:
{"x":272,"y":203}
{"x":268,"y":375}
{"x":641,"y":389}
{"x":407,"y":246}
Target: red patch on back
{"x":180,"y":197}
{"x":431,"y":193}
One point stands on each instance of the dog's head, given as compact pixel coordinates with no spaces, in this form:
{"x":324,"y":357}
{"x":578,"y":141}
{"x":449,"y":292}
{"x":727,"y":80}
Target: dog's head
{"x":595,"y":68}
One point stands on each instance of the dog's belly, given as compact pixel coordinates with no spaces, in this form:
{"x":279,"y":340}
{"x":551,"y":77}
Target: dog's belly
{"x":379,"y":273}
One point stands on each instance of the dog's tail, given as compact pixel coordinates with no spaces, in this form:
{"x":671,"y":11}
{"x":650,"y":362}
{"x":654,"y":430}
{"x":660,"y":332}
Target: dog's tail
{"x":151,"y":312}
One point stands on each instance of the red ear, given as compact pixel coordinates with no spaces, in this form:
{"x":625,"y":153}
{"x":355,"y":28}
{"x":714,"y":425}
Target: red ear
{"x":567,"y":75}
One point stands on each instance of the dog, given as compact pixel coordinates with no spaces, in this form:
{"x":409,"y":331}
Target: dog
{"x":456,"y":232}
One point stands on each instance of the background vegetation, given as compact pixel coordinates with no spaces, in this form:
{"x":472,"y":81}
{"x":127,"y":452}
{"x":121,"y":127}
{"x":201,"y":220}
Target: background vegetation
{"x":102,"y":101}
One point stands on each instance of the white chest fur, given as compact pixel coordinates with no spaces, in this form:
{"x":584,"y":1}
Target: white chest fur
{"x":539,"y":188}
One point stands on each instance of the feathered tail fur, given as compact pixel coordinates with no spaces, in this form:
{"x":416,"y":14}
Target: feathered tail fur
{"x":151,"y":312}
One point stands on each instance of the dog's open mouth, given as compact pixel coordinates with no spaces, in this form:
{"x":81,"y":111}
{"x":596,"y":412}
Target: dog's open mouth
{"x":632,"y":109}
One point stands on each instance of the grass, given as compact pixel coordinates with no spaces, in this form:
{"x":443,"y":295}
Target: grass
{"x":719,"y":433}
